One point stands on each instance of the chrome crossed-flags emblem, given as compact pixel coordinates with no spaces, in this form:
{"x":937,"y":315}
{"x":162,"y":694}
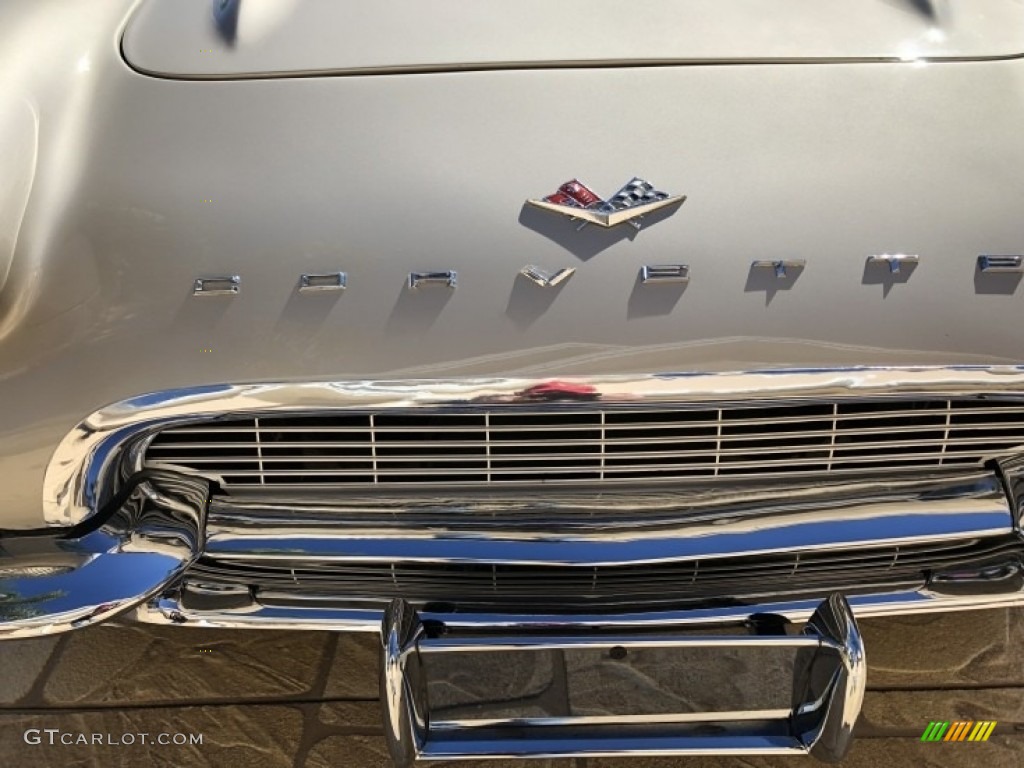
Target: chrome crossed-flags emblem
{"x":637,"y":198}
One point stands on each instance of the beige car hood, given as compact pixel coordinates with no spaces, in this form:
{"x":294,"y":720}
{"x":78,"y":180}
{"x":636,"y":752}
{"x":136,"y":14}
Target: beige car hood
{"x":246,"y":38}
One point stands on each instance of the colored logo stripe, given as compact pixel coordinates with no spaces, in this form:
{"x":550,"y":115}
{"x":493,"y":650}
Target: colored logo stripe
{"x":958,"y":730}
{"x":982,"y":731}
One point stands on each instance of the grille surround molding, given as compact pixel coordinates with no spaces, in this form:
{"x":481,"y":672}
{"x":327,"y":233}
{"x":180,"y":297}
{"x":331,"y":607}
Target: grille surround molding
{"x":96,"y":454}
{"x":583,"y":442}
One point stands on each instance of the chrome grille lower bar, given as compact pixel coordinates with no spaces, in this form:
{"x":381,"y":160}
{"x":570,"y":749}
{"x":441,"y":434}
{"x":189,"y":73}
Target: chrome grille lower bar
{"x":960,"y":537}
{"x":892,"y":546}
{"x":828,"y":683}
{"x":822,"y":518}
{"x":566,"y":589}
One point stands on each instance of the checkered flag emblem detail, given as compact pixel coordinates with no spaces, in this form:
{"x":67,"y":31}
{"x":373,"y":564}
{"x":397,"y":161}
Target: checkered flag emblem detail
{"x":638,"y":194}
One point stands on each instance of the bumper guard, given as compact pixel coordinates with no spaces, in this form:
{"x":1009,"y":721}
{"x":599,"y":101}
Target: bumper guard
{"x":828,"y":688}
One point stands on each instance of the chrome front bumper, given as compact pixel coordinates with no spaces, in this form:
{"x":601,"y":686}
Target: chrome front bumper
{"x":152,"y":551}
{"x":665,"y":564}
{"x":56,"y":581}
{"x":145,"y":553}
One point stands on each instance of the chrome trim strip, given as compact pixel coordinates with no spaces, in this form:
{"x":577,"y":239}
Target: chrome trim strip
{"x":680,"y":717}
{"x":448,"y":279}
{"x":328,"y":281}
{"x":630,"y":64}
{"x":509,"y":643}
{"x":278,"y":611}
{"x":217,"y":286}
{"x":829,"y":679}
{"x":515,"y":749}
{"x":137,"y":553}
{"x":997,"y":264}
{"x":77,"y":478}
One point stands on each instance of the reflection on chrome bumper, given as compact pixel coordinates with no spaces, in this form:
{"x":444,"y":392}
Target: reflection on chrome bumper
{"x":827,"y":688}
{"x":182,"y":558}
{"x":315,"y":613}
{"x":894,"y":547}
{"x":52,"y":583}
{"x":606,"y":528}
{"x":621,"y":570}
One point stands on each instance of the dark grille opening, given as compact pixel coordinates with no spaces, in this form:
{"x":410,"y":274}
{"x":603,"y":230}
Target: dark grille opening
{"x":562,"y":588}
{"x":585,"y":442}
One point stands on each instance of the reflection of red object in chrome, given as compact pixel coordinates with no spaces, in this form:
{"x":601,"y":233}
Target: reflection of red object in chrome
{"x":560,"y":390}
{"x":103,"y":608}
{"x":99,"y":610}
{"x":574,"y":193}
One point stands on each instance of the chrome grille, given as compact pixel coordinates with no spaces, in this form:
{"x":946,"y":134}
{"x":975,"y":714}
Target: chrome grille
{"x":584,"y":442}
{"x":567,"y":586}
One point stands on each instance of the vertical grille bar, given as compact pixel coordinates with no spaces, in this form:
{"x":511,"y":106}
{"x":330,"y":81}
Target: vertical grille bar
{"x":832,"y":442}
{"x":259,"y":450}
{"x":373,"y":449}
{"x":718,"y":442}
{"x":487,"y":442}
{"x":603,"y":418}
{"x":945,"y":436}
